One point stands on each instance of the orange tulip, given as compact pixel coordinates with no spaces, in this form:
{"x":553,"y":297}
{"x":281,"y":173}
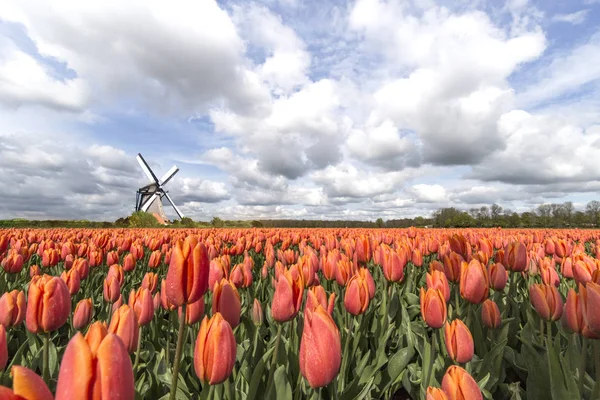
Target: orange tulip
{"x":433,"y":308}
{"x":498,"y":276}
{"x":142,"y":304}
{"x":573,"y":316}
{"x":317,"y":295}
{"x":515,"y":257}
{"x":356,"y":296}
{"x":287,"y":298}
{"x":83,"y":313}
{"x":226,"y":300}
{"x":393,"y":266}
{"x":320,"y":348}
{"x":215,"y":351}
{"x":187,"y":277}
{"x":459,"y":385}
{"x":124,"y":324}
{"x":438,"y":280}
{"x":590,"y":304}
{"x":12,"y":308}
{"x":547,"y":301}
{"x":111,"y":289}
{"x":3,"y":348}
{"x":459,"y":341}
{"x":193,"y":312}
{"x":155,"y":258}
{"x":72,"y":279}
{"x":27,"y":385}
{"x":95,"y":368}
{"x":48,"y":304}
{"x":452,"y":266}
{"x":150,"y":282}
{"x":490,"y":314}
{"x":474,"y":282}
{"x":436,"y":394}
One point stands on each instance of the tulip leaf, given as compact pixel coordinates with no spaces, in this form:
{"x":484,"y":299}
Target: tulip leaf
{"x":399,"y":361}
{"x":491,"y":365}
{"x":52,"y":359}
{"x":258,"y":374}
{"x":283,"y":389}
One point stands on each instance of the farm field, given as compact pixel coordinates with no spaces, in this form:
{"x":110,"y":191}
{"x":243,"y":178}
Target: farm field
{"x":299,"y":314}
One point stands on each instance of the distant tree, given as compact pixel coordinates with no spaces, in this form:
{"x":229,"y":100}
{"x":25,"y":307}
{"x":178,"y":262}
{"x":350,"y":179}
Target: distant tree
{"x":380,"y":223}
{"x":217,"y":222}
{"x":256,"y":224}
{"x":495,"y":211}
{"x":141,"y":219}
{"x":592,"y":209}
{"x":568,"y":211}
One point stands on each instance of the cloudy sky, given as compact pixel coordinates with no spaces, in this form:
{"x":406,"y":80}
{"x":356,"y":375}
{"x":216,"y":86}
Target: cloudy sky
{"x":298,"y":109}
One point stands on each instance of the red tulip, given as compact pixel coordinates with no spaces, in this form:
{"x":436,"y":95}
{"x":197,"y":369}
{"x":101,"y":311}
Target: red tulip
{"x":474,"y":282}
{"x":83,"y":313}
{"x":142,"y":304}
{"x":320,"y":348}
{"x":356,"y":296}
{"x":515,"y":257}
{"x":124,"y":324}
{"x":438,"y":280}
{"x":12,"y":308}
{"x":287,"y":298}
{"x":150,"y":281}
{"x":72,"y":279}
{"x":590,"y":304}
{"x":547,"y":301}
{"x":3,"y":348}
{"x":498,"y":276}
{"x":193,"y":312}
{"x":490,"y":314}
{"x":215,"y":351}
{"x":573,"y":314}
{"x":317,"y":295}
{"x":257,"y":313}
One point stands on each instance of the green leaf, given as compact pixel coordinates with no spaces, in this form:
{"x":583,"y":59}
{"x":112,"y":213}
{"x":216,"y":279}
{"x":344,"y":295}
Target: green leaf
{"x":258,"y":374}
{"x":399,"y":361}
{"x":283,"y":388}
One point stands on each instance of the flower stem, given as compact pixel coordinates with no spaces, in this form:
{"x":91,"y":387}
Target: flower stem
{"x":274,"y":360}
{"x":597,"y":359}
{"x":430,"y":367}
{"x":137,"y":351}
{"x":45,"y":366}
{"x":584,"y":348}
{"x":177,"y":361}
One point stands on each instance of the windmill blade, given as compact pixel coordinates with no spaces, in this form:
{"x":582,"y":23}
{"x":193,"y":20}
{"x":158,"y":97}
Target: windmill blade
{"x":170,"y":173}
{"x":174,"y":206}
{"x":146,"y":168}
{"x":149,"y":202}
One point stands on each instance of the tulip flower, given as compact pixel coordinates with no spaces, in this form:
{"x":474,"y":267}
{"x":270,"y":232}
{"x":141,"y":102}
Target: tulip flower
{"x":459,"y":341}
{"x":95,"y":367}
{"x":193,"y":312}
{"x":438,"y":280}
{"x":590,"y":304}
{"x":187,"y":277}
{"x":12,"y":308}
{"x":433,"y":308}
{"x":83,"y":313}
{"x":287,"y":298}
{"x":459,"y":385}
{"x":515,"y":257}
{"x":3,"y":348}
{"x":320,"y":348}
{"x":215,"y":351}
{"x":436,"y":394}
{"x":356,"y":296}
{"x":155,"y":258}
{"x":111,"y":289}
{"x":490,"y":314}
{"x":257,"y":313}
{"x":150,"y":282}
{"x":474,"y":282}
{"x":73,"y":281}
{"x":48,"y":304}
{"x":498,"y":276}
{"x":452,"y":266}
{"x":142,"y":304}
{"x":573,"y":316}
{"x":27,"y":385}
{"x":124,"y":324}
{"x":226,"y":300}
{"x":547,"y":301}
{"x":317,"y":295}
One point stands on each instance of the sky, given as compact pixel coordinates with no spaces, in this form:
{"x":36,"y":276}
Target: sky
{"x":310,"y":109}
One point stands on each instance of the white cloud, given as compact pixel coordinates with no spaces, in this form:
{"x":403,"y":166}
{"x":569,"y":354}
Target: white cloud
{"x":575,"y":18}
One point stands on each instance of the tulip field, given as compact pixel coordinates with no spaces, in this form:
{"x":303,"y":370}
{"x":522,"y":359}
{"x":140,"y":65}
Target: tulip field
{"x":299,"y":314}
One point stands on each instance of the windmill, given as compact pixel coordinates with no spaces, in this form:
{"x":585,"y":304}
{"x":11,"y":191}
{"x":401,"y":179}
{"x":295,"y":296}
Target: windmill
{"x":149,"y":198}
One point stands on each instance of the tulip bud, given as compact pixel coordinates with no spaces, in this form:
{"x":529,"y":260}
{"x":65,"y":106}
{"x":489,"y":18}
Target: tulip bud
{"x":287,"y":298}
{"x":187,"y":277}
{"x":34,"y":270}
{"x":573,"y":317}
{"x":142,"y":304}
{"x":150,"y":281}
{"x":316,"y":295}
{"x":72,"y":280}
{"x":434,"y":393}
{"x":226,"y":300}
{"x":95,"y":367}
{"x":48,"y":304}
{"x":515,"y":257}
{"x":12,"y":263}
{"x":215,"y":351}
{"x":356,"y":296}
{"x":474,"y":282}
{"x":3,"y":348}
{"x":124,"y":324}
{"x":433,"y":308}
{"x":459,"y":341}
{"x":193,"y":312}
{"x":459,"y":385}
{"x":111,"y":289}
{"x":490,"y":314}
{"x":498,"y":276}
{"x":12,"y":308}
{"x":590,"y":304}
{"x":438,"y":280}
{"x":547,"y":301}
{"x":257,"y":313}
{"x":83,"y":313}
{"x":155,"y":258}
{"x":27,"y":385}
{"x":320,"y":348}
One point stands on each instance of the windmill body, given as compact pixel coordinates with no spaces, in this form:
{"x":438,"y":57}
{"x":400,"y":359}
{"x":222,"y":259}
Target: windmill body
{"x":150,"y":197}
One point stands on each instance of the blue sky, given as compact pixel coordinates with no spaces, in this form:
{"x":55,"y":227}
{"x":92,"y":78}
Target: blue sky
{"x":299,"y":109}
